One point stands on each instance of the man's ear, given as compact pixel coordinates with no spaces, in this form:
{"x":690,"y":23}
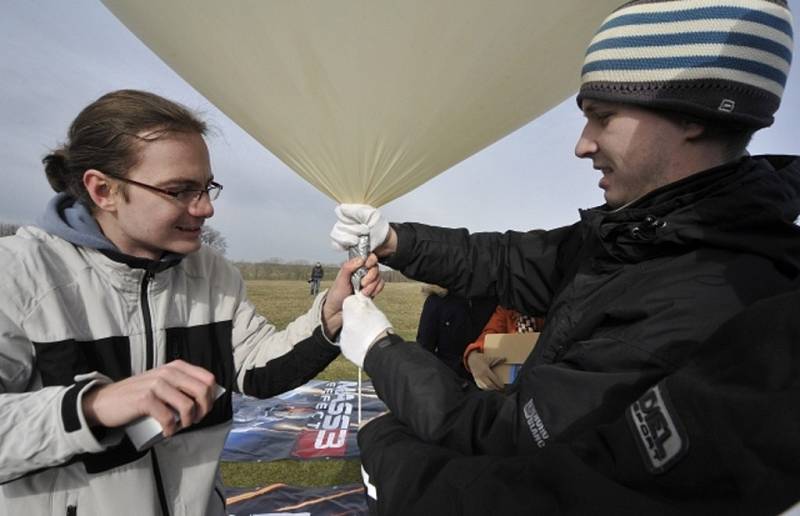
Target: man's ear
{"x":100,"y":190}
{"x":692,"y":130}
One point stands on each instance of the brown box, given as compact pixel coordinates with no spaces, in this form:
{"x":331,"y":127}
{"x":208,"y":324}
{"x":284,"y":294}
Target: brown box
{"x":514,"y":347}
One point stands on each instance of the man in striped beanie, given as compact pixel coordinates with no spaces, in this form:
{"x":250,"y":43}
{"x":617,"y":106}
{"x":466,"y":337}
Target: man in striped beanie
{"x":631,"y":402}
{"x":713,"y":71}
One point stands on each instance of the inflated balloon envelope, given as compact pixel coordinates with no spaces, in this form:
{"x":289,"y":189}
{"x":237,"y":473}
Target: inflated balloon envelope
{"x":368,"y":99}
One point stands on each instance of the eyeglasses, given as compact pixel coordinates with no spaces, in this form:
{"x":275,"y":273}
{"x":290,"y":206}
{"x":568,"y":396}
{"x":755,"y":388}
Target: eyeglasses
{"x":186,"y":196}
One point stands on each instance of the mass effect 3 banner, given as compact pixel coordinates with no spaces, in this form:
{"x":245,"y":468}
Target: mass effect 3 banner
{"x":316,"y":420}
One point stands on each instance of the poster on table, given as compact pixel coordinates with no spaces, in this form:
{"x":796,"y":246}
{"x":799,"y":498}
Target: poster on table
{"x":316,"y":420}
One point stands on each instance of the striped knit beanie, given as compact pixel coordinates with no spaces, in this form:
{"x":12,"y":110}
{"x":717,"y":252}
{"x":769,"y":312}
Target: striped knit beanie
{"x":719,"y":60}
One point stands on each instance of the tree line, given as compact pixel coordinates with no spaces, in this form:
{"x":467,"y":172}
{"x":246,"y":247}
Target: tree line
{"x":8,"y":229}
{"x":275,"y":269}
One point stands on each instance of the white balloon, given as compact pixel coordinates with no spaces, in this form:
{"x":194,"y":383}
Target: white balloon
{"x":368,"y":99}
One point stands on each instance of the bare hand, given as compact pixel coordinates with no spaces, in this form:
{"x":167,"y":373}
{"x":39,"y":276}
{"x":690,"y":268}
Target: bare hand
{"x":371,"y":285}
{"x":480,"y":365}
{"x":174,"y":388}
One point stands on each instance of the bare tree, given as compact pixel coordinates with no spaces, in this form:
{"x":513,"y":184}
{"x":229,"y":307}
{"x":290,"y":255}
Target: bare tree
{"x":8,"y":229}
{"x":214,"y":239}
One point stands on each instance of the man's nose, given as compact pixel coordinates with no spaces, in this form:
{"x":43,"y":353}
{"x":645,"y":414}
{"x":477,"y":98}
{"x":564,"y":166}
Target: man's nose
{"x":586,"y":145}
{"x":202,"y":207}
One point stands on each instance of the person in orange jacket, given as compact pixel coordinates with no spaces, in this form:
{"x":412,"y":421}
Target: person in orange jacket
{"x":503,"y":320}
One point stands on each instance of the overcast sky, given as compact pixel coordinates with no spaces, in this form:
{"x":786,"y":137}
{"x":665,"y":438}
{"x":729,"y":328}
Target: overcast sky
{"x":57,"y":56}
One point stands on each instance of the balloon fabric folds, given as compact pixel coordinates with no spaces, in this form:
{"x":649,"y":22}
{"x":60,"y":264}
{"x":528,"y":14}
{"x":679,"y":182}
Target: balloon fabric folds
{"x":368,"y":99}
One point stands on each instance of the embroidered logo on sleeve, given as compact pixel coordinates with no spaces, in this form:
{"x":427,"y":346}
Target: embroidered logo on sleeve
{"x":660,"y":435}
{"x":535,"y":425}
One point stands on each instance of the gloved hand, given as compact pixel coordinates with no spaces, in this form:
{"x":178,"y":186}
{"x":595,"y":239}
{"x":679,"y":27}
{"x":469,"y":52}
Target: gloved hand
{"x":362,"y":324}
{"x":355,"y":220}
{"x":480,"y":365}
{"x":371,"y":286}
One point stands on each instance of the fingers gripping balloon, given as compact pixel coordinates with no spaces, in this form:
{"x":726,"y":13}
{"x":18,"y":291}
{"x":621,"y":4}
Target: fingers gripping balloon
{"x":358,"y":228}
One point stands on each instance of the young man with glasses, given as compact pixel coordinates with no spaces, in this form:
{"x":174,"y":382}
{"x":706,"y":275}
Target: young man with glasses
{"x":112,"y":312}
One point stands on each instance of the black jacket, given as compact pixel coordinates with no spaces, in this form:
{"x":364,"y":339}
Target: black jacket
{"x":628,"y":295}
{"x":448,"y":324}
{"x":718,"y":436}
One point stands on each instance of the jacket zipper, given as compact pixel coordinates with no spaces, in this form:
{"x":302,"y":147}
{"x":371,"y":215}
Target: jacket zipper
{"x":162,"y":497}
{"x":148,"y":324}
{"x":221,"y":497}
{"x":149,"y":359}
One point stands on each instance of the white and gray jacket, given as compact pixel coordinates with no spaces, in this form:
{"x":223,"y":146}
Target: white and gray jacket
{"x":72,"y":316}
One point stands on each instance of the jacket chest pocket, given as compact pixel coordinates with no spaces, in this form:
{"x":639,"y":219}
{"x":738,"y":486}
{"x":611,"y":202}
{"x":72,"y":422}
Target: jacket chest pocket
{"x":208,"y":346}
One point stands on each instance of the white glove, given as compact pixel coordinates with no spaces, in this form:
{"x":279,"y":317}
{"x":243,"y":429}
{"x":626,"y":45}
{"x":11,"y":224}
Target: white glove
{"x":362,"y":324}
{"x":482,"y":368}
{"x":356,"y":220}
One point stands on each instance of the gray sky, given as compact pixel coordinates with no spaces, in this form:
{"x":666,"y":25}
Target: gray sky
{"x":56,"y":57}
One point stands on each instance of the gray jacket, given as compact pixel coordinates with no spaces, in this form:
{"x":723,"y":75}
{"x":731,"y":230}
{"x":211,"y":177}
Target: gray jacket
{"x":72,"y":317}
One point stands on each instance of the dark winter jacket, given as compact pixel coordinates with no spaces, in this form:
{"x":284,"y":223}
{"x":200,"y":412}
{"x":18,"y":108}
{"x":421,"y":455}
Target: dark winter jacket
{"x":317,"y":273}
{"x":718,"y":436}
{"x":628,"y":296}
{"x":449,"y":323}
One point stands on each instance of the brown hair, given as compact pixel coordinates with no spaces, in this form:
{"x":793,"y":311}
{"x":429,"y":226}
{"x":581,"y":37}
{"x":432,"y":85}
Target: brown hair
{"x":107,"y":136}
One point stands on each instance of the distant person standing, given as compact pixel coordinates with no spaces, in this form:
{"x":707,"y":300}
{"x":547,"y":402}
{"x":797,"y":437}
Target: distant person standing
{"x":317,"y":274}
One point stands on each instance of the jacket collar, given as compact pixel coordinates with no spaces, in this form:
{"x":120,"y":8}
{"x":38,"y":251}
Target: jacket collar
{"x":70,"y":219}
{"x":749,"y":205}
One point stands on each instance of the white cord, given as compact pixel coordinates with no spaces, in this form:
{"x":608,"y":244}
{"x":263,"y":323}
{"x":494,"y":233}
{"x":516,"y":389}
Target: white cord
{"x":359,"y":397}
{"x":362,"y":250}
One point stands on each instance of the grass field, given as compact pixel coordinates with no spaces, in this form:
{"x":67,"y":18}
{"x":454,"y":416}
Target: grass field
{"x":281,"y":302}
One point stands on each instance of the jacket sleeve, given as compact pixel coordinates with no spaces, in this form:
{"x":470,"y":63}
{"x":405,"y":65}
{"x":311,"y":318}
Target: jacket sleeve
{"x":436,"y":404}
{"x":522,"y":270}
{"x":268,"y":361}
{"x":409,"y":476}
{"x":44,"y":427}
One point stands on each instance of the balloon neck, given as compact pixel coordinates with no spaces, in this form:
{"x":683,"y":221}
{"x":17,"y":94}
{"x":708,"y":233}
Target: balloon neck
{"x":362,"y":250}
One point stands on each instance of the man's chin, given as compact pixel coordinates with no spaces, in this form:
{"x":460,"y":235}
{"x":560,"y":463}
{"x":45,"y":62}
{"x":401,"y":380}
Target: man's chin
{"x":612,"y":202}
{"x":184,"y":247}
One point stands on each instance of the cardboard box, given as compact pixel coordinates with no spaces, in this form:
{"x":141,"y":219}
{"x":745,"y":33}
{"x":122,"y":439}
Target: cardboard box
{"x":514,"y":347}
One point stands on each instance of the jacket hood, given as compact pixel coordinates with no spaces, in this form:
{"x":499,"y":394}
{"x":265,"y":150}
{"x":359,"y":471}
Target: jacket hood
{"x":749,"y":205}
{"x":70,"y":219}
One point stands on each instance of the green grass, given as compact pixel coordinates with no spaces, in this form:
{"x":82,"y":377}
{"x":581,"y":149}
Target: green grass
{"x":281,"y":301}
{"x":317,"y":472}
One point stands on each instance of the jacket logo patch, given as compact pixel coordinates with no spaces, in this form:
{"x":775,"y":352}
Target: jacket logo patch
{"x":535,"y":425}
{"x":661,"y":438}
